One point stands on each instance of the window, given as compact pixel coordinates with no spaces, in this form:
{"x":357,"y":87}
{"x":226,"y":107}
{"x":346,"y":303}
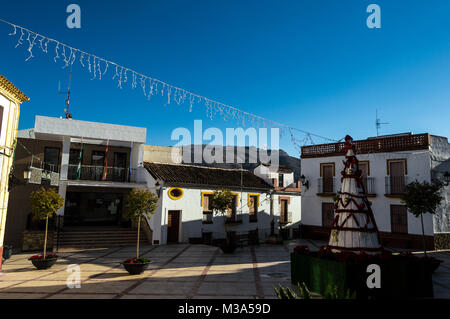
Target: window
{"x":327,"y":214}
{"x":51,"y":159}
{"x":253,"y":203}
{"x":231,"y":214}
{"x":280,"y":180}
{"x":399,"y":219}
{"x":207,"y":210}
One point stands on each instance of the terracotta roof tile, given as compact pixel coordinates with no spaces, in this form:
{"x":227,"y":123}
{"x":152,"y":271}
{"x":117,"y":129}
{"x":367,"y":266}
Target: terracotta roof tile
{"x":199,"y":175}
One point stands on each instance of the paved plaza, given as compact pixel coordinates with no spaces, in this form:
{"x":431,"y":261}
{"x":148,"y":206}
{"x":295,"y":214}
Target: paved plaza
{"x":177,"y":271}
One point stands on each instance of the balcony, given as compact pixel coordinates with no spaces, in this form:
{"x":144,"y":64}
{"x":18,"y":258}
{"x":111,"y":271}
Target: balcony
{"x":369,"y":186}
{"x":326,"y":186}
{"x":395,"y":186}
{"x":207,"y":218}
{"x":285,"y":217}
{"x":96,"y":173}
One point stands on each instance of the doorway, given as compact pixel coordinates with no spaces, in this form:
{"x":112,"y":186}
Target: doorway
{"x":173,"y":226}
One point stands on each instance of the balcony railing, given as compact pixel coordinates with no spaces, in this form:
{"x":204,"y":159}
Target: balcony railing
{"x":97,"y":173}
{"x":326,"y":185}
{"x":396,"y":185}
{"x":375,"y":145}
{"x":286,"y":217}
{"x":369,"y":184}
{"x":207,"y":218}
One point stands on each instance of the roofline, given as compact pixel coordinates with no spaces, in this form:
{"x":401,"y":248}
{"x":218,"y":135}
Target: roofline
{"x":199,"y":166}
{"x":12,"y":91}
{"x":217,"y":186}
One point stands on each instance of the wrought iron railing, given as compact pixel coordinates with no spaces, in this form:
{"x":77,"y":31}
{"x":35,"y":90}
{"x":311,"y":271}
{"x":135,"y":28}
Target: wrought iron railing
{"x":396,"y":185}
{"x":326,"y":185}
{"x":207,"y":217}
{"x":369,"y":184}
{"x":97,"y":173}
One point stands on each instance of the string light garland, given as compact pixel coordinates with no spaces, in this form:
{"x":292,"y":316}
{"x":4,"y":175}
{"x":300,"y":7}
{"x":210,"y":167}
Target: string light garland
{"x":98,"y":68}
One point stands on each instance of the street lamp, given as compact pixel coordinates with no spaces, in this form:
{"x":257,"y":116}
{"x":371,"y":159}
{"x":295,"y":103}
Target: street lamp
{"x":27,"y":174}
{"x":304,"y":181}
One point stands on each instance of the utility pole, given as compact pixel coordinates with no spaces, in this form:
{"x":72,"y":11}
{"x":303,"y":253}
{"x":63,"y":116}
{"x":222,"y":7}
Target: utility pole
{"x":66,"y":110}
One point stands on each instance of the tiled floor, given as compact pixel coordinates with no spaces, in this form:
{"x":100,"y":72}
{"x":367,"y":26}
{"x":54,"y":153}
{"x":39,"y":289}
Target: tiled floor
{"x":177,"y":271}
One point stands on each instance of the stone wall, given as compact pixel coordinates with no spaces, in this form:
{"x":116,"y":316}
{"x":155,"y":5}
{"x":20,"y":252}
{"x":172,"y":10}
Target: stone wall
{"x":34,"y":241}
{"x":442,"y":241}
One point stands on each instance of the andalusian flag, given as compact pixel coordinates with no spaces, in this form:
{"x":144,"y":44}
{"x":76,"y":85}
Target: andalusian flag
{"x":79,"y":161}
{"x":105,"y":166}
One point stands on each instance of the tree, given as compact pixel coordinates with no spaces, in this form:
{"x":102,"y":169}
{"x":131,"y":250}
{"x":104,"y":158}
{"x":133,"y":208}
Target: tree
{"x":44,"y":204}
{"x":140,"y":203}
{"x":221,"y":201}
{"x":422,"y":198}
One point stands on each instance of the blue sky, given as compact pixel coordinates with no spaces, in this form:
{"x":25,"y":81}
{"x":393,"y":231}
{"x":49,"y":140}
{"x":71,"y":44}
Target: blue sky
{"x":313,"y":65}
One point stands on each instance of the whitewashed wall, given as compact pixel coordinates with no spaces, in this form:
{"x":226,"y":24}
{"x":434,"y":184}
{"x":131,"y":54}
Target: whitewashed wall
{"x":265,"y":173}
{"x":419,"y":167}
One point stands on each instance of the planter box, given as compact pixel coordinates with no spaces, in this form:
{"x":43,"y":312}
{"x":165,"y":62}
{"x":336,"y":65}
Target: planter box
{"x":399,"y":278}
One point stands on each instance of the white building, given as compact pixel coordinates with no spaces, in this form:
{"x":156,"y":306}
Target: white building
{"x":184,"y":214}
{"x":286,"y":196}
{"x":388,"y":163}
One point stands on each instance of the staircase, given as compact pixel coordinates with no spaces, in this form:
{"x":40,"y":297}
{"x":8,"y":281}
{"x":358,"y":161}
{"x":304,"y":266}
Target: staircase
{"x":99,"y":237}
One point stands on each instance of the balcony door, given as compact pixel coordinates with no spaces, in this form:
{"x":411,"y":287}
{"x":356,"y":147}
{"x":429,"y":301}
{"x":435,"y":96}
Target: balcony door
{"x":397,"y":176}
{"x":74,"y":158}
{"x":97,"y":163}
{"x":120,"y":164}
{"x":284,"y":211}
{"x":364,"y":168}
{"x":327,"y":175}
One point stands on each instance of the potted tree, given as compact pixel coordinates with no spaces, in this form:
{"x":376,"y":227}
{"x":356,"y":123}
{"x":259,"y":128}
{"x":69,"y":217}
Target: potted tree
{"x":44,"y":204}
{"x":221,"y":202}
{"x":141,"y":203}
{"x":422,"y":198}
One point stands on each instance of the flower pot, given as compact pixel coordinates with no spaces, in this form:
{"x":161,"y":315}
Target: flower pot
{"x":43,"y":263}
{"x":135,"y":268}
{"x":228,"y":248}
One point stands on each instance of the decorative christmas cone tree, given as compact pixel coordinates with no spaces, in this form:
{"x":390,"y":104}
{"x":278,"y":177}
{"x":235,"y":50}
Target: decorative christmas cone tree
{"x":354,"y":228}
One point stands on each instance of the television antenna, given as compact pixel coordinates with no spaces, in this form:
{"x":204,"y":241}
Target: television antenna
{"x":66,"y":110}
{"x":378,"y":123}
